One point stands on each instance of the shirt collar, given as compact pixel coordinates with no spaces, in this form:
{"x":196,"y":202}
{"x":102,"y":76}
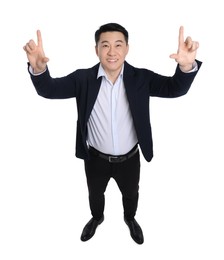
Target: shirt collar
{"x":102,"y":73}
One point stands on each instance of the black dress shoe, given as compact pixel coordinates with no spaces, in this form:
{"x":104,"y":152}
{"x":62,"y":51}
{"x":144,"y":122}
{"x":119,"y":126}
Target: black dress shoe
{"x":135,"y":231}
{"x":90,"y":228}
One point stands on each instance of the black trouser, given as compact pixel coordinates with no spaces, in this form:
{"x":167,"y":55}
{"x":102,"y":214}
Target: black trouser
{"x":126,"y":174}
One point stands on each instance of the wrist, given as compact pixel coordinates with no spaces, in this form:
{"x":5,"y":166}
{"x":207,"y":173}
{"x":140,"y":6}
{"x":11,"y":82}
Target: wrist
{"x":186,"y":68}
{"x":36,"y":72}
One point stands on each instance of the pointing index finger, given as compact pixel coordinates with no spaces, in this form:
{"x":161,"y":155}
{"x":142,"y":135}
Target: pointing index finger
{"x":39,"y":38}
{"x":181,"y":35}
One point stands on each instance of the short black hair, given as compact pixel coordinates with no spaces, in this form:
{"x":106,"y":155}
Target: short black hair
{"x":111,"y":27}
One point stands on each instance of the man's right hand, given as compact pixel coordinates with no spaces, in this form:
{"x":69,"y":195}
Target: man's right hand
{"x":35,"y":54}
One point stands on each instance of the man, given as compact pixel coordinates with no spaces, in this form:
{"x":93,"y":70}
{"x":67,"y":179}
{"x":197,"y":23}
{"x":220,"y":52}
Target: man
{"x":113,"y":114}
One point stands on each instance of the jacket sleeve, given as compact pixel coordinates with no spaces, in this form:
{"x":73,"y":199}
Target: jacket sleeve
{"x":175,"y":86}
{"x":54,"y":88}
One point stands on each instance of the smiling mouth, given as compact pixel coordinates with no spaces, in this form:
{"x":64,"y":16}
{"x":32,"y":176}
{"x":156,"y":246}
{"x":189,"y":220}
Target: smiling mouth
{"x":112,"y":60}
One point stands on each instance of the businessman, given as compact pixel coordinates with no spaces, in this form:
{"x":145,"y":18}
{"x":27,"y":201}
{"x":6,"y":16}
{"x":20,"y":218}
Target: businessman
{"x":113,"y":113}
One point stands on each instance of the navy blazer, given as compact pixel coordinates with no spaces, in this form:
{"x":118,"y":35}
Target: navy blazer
{"x":140,"y":84}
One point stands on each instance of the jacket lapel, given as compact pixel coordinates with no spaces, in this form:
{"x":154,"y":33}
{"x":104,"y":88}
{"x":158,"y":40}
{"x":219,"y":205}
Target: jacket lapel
{"x":93,"y":90}
{"x":130,"y":84}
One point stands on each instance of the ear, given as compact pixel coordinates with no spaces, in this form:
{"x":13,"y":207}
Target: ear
{"x":127,"y":49}
{"x":96,"y":50}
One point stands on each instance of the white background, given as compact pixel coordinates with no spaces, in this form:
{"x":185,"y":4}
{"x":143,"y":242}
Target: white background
{"x":43,"y":193}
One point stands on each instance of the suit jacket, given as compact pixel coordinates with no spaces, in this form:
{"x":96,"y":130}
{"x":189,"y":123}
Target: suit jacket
{"x":140,"y":84}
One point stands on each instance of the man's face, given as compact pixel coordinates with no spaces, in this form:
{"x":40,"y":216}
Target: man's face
{"x":112,"y":50}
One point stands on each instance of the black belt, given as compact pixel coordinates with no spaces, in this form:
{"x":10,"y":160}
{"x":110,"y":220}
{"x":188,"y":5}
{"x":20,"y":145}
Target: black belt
{"x":113,"y":158}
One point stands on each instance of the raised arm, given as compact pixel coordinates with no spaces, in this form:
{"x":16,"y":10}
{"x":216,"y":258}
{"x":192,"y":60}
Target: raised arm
{"x":35,"y":54}
{"x":186,"y":52}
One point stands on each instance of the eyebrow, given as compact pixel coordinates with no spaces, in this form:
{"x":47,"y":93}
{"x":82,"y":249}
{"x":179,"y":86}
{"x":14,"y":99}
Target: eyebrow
{"x":115,"y":41}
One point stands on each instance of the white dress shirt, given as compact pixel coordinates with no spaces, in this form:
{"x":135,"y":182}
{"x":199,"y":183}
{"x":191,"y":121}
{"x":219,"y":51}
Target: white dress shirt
{"x":110,"y":126}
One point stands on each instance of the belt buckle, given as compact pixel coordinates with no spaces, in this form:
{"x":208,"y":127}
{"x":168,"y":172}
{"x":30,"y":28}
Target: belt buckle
{"x":113,"y":159}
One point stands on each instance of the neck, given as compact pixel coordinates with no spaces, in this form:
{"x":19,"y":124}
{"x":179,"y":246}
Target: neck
{"x":112,"y":76}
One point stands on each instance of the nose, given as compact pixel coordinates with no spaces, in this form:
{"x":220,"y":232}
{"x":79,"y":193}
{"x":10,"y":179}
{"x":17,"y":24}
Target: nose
{"x":111,"y":51}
